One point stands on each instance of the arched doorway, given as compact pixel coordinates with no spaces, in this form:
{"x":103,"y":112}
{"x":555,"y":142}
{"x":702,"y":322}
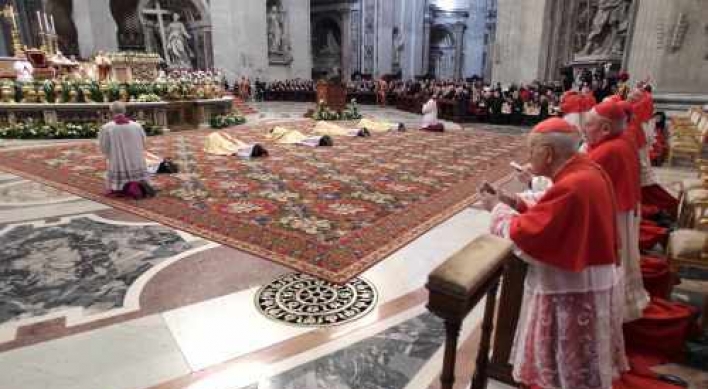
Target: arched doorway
{"x":326,"y":46}
{"x":442,"y":52}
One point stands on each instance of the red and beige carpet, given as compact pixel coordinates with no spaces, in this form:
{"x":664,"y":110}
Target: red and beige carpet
{"x":331,"y":212}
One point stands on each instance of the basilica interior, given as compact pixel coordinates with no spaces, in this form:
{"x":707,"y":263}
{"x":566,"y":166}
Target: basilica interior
{"x":313,"y":208}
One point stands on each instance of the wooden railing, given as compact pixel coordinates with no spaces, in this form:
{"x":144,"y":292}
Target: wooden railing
{"x":455,"y":289}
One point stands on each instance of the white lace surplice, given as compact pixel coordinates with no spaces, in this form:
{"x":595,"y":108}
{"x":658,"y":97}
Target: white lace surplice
{"x":647,"y":176}
{"x":569,"y":334}
{"x":636,"y":297}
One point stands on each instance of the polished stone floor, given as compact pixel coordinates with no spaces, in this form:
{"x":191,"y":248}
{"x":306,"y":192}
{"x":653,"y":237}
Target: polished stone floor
{"x":92,"y":297}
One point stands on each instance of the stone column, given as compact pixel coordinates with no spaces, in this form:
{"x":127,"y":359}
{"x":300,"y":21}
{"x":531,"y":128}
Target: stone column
{"x":95,"y":27}
{"x":519,"y":35}
{"x":459,"y":31}
{"x":346,"y":45}
{"x":427,"y":22}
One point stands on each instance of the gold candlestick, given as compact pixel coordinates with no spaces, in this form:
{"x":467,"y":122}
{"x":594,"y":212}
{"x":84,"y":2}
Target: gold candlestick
{"x":9,"y":12}
{"x":43,"y":38}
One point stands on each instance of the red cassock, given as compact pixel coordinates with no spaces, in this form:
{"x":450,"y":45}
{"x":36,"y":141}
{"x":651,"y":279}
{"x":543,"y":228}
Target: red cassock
{"x":572,"y":227}
{"x":657,"y":196}
{"x":643,"y":108}
{"x":619,"y":159}
{"x":635,"y":134}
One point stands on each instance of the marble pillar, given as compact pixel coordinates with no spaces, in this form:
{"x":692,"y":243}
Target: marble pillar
{"x":519,"y":41}
{"x":459,"y":31}
{"x":346,"y":45}
{"x":384,"y":38}
{"x":669,"y":44}
{"x":368,"y":45}
{"x":95,"y":27}
{"x":474,"y":39}
{"x":427,"y":24}
{"x":414,"y":30}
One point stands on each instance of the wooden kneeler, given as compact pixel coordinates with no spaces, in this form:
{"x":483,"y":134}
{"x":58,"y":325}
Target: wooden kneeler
{"x":456,"y":287}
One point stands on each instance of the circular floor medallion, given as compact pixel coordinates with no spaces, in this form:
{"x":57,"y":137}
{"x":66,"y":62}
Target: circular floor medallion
{"x":302,"y":300}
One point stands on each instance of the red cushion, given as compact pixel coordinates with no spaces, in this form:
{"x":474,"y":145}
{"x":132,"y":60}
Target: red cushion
{"x":657,"y":276}
{"x":662,"y":330}
{"x":650,"y":235}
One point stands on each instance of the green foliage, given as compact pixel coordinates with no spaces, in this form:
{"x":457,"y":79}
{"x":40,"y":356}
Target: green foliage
{"x":324,"y":113}
{"x":32,"y":130}
{"x":223,"y":121}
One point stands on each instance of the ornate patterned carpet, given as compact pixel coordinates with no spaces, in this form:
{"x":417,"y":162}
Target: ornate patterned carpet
{"x":331,"y":212}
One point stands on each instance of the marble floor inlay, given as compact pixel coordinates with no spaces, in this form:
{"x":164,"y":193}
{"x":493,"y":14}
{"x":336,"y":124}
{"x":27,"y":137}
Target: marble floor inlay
{"x":82,"y":262}
{"x":26,"y":193}
{"x":302,"y":300}
{"x":388,"y":360}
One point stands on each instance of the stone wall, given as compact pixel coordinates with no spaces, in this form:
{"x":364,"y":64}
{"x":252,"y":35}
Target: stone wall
{"x":670,"y":45}
{"x":518,"y":49}
{"x":240,"y":39}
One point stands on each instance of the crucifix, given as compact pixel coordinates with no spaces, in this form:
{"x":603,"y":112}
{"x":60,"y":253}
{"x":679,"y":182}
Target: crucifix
{"x":159,"y":12}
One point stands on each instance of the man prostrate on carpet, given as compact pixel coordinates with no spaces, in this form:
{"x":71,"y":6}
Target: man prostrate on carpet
{"x":288,"y":136}
{"x":122,"y":141}
{"x":221,"y":143}
{"x":569,"y":334}
{"x":617,"y":156}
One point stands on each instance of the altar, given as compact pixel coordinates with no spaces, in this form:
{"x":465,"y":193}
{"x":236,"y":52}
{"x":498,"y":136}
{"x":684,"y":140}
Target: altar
{"x":333,"y":94}
{"x":175,"y":115}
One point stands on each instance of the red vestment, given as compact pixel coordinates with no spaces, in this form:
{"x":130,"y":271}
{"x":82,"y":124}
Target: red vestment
{"x":619,"y":160}
{"x":572,"y":227}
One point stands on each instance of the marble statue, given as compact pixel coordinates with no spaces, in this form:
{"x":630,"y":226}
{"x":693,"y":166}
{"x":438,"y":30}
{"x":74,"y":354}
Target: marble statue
{"x":275,"y":30}
{"x":609,"y":29}
{"x":178,"y":50}
{"x":332,"y":47}
{"x":397,"y":47}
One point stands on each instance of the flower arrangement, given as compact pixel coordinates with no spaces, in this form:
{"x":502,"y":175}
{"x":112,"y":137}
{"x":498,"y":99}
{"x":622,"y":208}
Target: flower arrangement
{"x":68,"y":91}
{"x":223,"y":121}
{"x":324,"y":113}
{"x":148,"y":98}
{"x":35,"y":130}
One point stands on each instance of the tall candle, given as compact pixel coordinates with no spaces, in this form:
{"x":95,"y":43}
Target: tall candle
{"x":39,"y":20}
{"x":54,"y":30}
{"x":46,"y":23}
{"x":12,"y":15}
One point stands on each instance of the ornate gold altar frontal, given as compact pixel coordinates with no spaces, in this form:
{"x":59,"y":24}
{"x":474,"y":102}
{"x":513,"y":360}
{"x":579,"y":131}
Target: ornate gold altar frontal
{"x":129,"y":66}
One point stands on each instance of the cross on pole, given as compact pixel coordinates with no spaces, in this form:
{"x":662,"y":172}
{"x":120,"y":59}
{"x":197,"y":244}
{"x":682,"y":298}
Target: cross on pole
{"x":159,"y":12}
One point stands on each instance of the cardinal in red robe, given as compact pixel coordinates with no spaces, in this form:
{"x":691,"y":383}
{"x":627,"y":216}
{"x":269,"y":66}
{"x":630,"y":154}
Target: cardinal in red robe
{"x":569,"y":334}
{"x":617,"y":156}
{"x":653,"y":194}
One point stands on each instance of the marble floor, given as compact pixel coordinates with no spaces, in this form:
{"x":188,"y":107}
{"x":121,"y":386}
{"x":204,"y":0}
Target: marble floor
{"x":91,"y":297}
{"x":94,"y":298}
